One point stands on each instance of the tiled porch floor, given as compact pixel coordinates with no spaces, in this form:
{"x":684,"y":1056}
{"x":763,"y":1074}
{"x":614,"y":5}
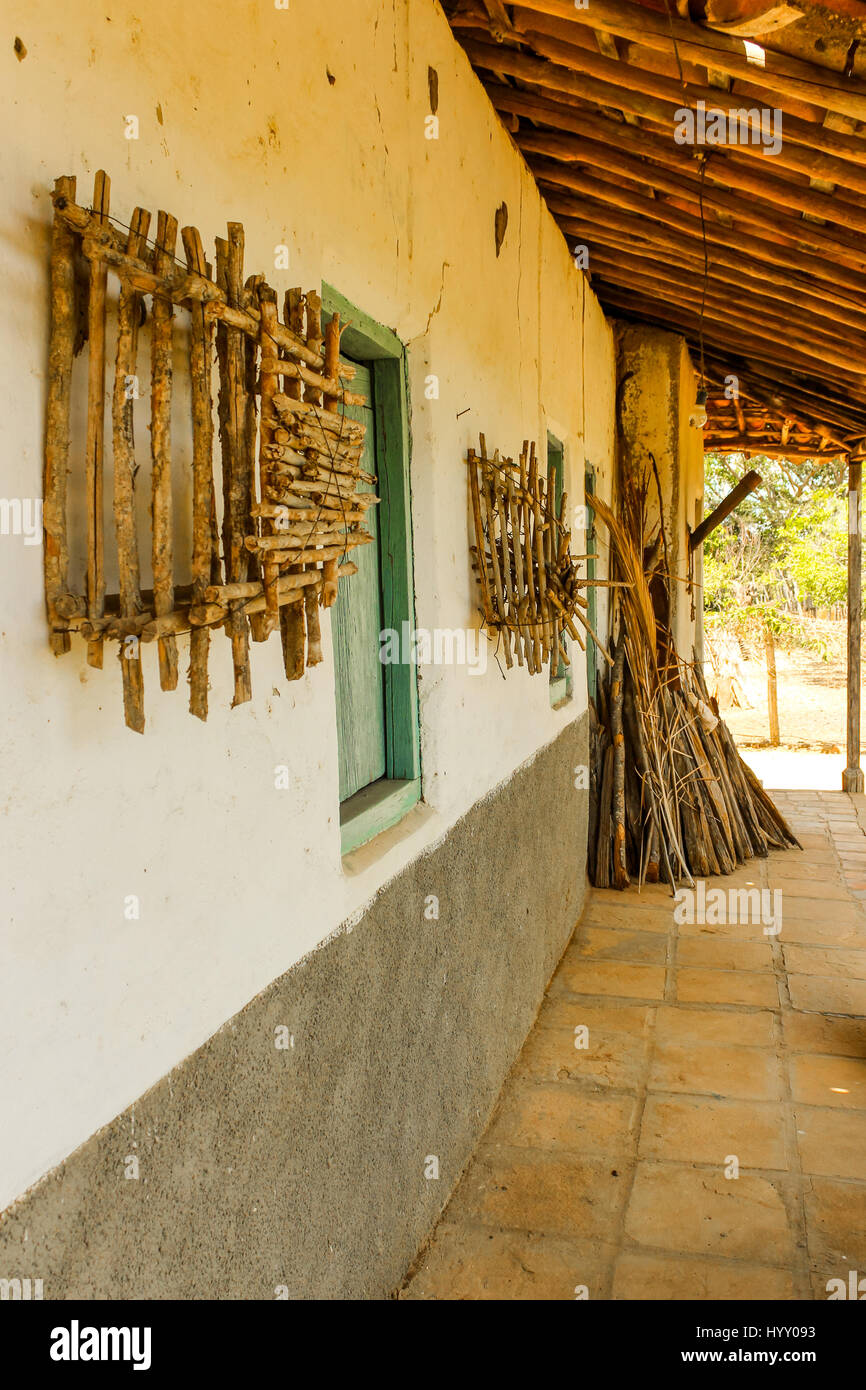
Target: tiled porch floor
{"x":605,"y":1167}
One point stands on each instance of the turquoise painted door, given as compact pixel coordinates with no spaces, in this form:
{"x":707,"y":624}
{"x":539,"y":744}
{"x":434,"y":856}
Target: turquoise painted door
{"x":356,"y":624}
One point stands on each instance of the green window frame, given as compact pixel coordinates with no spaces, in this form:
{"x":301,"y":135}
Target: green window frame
{"x":562,"y":682}
{"x":381,"y":804}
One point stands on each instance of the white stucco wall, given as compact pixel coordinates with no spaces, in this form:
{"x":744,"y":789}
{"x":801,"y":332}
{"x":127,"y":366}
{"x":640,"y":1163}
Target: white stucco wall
{"x":238,"y":881}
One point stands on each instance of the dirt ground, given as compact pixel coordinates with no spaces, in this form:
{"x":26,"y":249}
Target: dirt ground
{"x":811,"y":697}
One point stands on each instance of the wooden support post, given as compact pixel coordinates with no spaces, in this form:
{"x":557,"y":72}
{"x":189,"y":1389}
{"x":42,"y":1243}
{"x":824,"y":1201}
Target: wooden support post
{"x":772,"y":688}
{"x":852,"y":777}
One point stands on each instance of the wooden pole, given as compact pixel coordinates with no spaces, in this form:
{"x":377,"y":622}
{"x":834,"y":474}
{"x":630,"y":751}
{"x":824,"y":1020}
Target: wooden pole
{"x":293,"y":615}
{"x":332,"y":372}
{"x":236,"y":481}
{"x":125,"y":469}
{"x":269,"y":385}
{"x":161,"y":369}
{"x":315,"y":338}
{"x":852,"y":777}
{"x":620,"y":872}
{"x":60,"y":356}
{"x":202,"y":474}
{"x":772,"y":689}
{"x":728,"y":504}
{"x":96,"y":427}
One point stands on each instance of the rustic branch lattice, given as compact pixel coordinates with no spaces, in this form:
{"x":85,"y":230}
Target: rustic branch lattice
{"x":529,"y":580}
{"x":286,"y":530}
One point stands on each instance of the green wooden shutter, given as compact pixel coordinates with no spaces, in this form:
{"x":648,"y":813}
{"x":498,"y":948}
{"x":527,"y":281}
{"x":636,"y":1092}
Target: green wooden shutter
{"x":356,"y":620}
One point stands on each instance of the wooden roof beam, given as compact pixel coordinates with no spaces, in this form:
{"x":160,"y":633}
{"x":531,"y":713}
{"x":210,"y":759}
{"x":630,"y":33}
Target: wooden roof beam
{"x":719,"y":330}
{"x":658,"y":212}
{"x":777,"y":73}
{"x":604,"y":261}
{"x":754,"y":279}
{"x":566,"y":114}
{"x":592,"y":222}
{"x":625,"y":87}
{"x":769,"y":203}
{"x":810,"y":345}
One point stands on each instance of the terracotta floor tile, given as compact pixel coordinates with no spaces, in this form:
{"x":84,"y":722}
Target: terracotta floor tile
{"x":824,"y":960}
{"x":749,"y":933}
{"x":466,"y":1262}
{"x":831,"y":888}
{"x":726,"y":987}
{"x":747,"y":1073}
{"x":833,"y":1081}
{"x":616,"y":1060}
{"x":579,"y":1197}
{"x":701,"y":1129}
{"x":696,"y":1212}
{"x":680,"y":1278}
{"x":556,"y":1116}
{"x":620,"y":978}
{"x":832,"y":1143}
{"x":836,"y":1226}
{"x":828,"y":994}
{"x":696,"y":1025}
{"x":841,"y":1036}
{"x":623,"y":914}
{"x":606,"y":943}
{"x":563,"y":1010}
{"x":798,"y":868}
{"x":844,"y":914}
{"x":723,"y":953}
{"x":819,"y":931}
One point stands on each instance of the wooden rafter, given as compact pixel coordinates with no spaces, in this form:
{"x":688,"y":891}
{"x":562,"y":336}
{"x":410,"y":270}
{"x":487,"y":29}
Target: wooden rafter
{"x":758,"y":261}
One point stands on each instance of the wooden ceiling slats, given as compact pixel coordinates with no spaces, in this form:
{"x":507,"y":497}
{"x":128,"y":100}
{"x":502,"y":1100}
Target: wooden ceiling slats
{"x":777,"y":249}
{"x":767,"y":205}
{"x":592,"y":98}
{"x":810,"y":345}
{"x":771,"y":350}
{"x":599,"y":136}
{"x":569,"y":115}
{"x":598,"y":223}
{"x":780,"y":74}
{"x":822,"y":319}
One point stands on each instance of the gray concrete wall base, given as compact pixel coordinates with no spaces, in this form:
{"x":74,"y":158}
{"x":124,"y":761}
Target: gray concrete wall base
{"x":303,"y":1168}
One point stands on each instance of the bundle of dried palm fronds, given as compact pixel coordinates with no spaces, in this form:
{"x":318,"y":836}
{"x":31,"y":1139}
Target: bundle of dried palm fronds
{"x":671,"y":797}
